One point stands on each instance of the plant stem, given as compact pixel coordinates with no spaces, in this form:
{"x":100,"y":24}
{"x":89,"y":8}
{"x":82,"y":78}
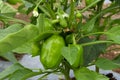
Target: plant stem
{"x":96,"y":69}
{"x":67,"y":77}
{"x":55,"y":21}
{"x":37,"y":73}
{"x":98,"y":20}
{"x":65,"y":6}
{"x":43,"y":76}
{"x":65,"y":70}
{"x":96,"y":42}
{"x":71,"y":17}
{"x":94,"y":34}
{"x":66,"y":74}
{"x":89,"y":6}
{"x":89,"y":35}
{"x":74,"y":41}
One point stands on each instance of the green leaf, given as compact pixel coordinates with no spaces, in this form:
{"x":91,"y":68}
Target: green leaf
{"x":9,"y":56}
{"x":117,"y":59}
{"x":10,"y":70}
{"x":11,"y":29}
{"x":27,"y":4}
{"x":86,"y":74}
{"x":117,"y":2}
{"x":45,"y":35}
{"x":115,"y":21}
{"x":114,"y":34}
{"x":25,"y":48}
{"x":70,"y":53}
{"x":43,"y":8}
{"x":47,"y":10}
{"x":92,"y":52}
{"x":89,"y":26}
{"x":106,"y":64}
{"x":50,"y":10}
{"x":6,"y":18}
{"x":44,"y":24}
{"x":40,"y":22}
{"x":18,"y":38}
{"x":31,"y":74}
{"x":19,"y":74}
{"x":7,"y":9}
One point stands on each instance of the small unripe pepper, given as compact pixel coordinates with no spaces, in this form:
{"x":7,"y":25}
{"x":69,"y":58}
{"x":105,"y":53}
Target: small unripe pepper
{"x":50,"y":55}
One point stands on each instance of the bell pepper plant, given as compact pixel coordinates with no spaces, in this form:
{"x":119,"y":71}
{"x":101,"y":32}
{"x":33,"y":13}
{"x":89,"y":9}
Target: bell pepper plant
{"x":63,"y":34}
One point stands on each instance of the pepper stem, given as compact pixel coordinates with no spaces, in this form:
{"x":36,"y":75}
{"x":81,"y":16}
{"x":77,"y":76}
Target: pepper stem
{"x":96,"y":69}
{"x":66,"y":73}
{"x":73,"y":37}
{"x":66,"y":70}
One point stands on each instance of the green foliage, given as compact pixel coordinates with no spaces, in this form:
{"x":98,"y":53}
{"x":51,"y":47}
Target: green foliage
{"x":114,"y":34}
{"x":9,"y":56}
{"x":10,"y":41}
{"x":74,"y":55}
{"x":10,"y":70}
{"x":92,"y":52}
{"x":24,"y":48}
{"x":7,"y":9}
{"x":14,"y":1}
{"x":86,"y":74}
{"x":10,"y":29}
{"x":80,"y":34}
{"x":106,"y":63}
{"x":21,"y":72}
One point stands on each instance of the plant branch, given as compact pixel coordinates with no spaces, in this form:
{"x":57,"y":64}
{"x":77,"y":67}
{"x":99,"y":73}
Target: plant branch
{"x":3,"y":17}
{"x":96,"y":1}
{"x":93,"y":34}
{"x":96,"y":42}
{"x":38,"y":73}
{"x":65,"y":70}
{"x":96,"y":69}
{"x":90,"y":35}
{"x":43,"y":76}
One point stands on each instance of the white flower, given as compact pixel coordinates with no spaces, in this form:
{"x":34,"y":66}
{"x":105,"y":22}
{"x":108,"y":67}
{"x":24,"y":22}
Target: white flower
{"x":35,"y":13}
{"x":65,"y":15}
{"x":57,"y":17}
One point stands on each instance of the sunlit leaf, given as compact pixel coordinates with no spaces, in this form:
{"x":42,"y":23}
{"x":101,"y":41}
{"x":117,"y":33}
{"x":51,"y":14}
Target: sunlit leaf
{"x":16,"y":39}
{"x":7,"y":9}
{"x":108,"y":64}
{"x":92,"y":52}
{"x":114,"y":34}
{"x":10,"y":70}
{"x":19,"y":74}
{"x":25,"y":48}
{"x":70,"y":53}
{"x":11,"y":29}
{"x":86,"y":74}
